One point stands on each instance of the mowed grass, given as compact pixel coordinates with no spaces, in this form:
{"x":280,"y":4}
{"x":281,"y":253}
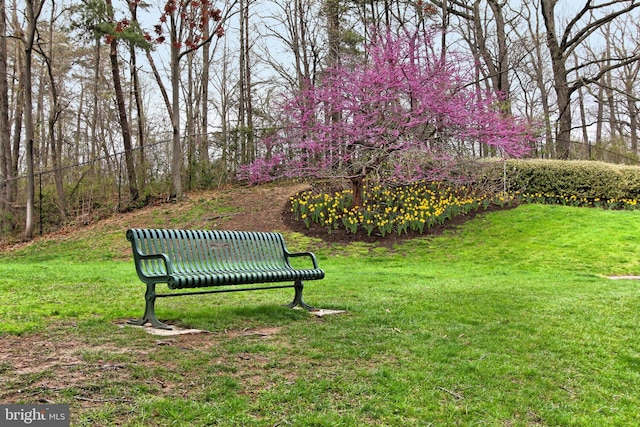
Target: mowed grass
{"x":510,"y":320}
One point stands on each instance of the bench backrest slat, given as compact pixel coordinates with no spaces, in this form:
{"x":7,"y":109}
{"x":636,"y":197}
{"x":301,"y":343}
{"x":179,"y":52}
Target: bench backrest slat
{"x":200,"y":249}
{"x":174,"y":249}
{"x":151,"y":243}
{"x":221,"y":253}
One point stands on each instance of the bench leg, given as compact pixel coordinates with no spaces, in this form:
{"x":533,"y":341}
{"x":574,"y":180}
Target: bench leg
{"x":297,"y":299}
{"x":150,"y":311}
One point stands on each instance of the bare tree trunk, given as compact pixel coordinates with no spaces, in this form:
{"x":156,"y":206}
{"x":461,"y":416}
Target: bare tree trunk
{"x":33,"y":12}
{"x":5,"y":135}
{"x":245,"y":117}
{"x":95,"y":90}
{"x":122,"y":110}
{"x":357,"y":183}
{"x":300,"y":41}
{"x":54,"y":114}
{"x":608,"y":87}
{"x":133,"y":7}
{"x":124,"y":122}
{"x":227,"y":162}
{"x":18,"y":117}
{"x":446,"y":17}
{"x":251,"y":155}
{"x":538,"y":64}
{"x":81,"y":150}
{"x":191,"y":109}
{"x":600,"y":113}
{"x":563,"y":133}
{"x":203,"y":138}
{"x":584,"y":124}
{"x":242,"y":127}
{"x":632,"y":105}
{"x":40,"y":151}
{"x":501,"y":81}
{"x":586,"y":149}
{"x":332,"y":9}
{"x":176,"y":144}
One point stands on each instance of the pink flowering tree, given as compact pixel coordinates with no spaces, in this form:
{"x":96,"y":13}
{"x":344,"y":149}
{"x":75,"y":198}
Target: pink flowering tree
{"x":393,"y":116}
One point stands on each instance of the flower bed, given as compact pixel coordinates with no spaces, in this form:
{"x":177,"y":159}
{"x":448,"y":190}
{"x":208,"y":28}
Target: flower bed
{"x":417,"y":207}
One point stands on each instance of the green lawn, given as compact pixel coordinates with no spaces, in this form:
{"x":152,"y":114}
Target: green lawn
{"x":508,"y":321}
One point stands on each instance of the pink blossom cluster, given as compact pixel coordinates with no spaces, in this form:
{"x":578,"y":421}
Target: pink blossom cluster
{"x":404,"y":104}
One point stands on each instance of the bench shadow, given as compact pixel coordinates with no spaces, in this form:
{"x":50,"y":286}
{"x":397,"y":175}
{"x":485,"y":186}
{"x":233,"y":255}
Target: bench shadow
{"x":219,"y":318}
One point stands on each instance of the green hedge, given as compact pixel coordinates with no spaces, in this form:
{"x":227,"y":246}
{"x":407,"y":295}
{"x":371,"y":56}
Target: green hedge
{"x":579,"y":178}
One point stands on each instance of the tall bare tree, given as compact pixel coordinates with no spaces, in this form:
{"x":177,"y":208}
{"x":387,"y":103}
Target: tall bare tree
{"x":115,"y":31}
{"x":179,"y":22}
{"x":534,"y":68}
{"x":203,"y":138}
{"x":33,"y":11}
{"x":55,"y":110}
{"x":563,"y":42}
{"x":623,"y":42}
{"x":245,"y":105}
{"x":487,"y":29}
{"x":334,"y":30}
{"x":18,"y":89}
{"x":137,"y":96}
{"x":294,"y":25}
{"x":5,"y":134}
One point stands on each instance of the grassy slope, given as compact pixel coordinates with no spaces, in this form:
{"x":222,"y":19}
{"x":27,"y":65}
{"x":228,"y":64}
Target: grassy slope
{"x":506,"y":321}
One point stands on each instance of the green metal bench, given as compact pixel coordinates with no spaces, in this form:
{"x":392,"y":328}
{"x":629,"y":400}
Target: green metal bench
{"x":186,"y":259}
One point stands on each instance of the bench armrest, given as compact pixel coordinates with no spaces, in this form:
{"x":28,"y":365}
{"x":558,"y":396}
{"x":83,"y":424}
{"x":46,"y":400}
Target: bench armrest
{"x":300,"y":254}
{"x":165,"y":259}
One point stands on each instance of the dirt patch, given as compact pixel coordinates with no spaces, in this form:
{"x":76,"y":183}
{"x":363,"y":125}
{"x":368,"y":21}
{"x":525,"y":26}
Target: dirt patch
{"x":38,"y":368}
{"x":35,"y":354}
{"x":35,"y":368}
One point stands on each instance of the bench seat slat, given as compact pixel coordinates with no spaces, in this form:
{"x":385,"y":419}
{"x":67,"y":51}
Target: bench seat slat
{"x":196,"y":280}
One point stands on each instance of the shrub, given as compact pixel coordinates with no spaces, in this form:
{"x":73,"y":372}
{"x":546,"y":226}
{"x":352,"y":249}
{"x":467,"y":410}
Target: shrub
{"x":579,"y":179}
{"x":631,"y":180}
